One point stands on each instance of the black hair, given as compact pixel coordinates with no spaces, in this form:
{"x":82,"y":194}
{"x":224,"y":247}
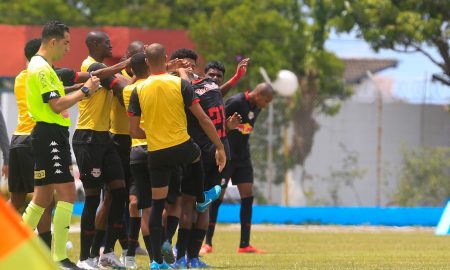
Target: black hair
{"x":215,"y":65}
{"x":32,"y":47}
{"x":184,"y":53}
{"x":54,"y":29}
{"x":138,"y":65}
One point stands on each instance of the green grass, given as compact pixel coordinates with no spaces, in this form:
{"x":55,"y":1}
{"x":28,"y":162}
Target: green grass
{"x":324,"y":249}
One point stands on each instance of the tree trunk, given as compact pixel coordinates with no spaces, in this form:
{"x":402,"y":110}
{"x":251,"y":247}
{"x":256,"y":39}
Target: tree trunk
{"x":305,"y":126}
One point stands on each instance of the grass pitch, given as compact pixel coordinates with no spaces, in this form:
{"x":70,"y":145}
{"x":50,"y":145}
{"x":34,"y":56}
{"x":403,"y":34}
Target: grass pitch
{"x":323,"y":247}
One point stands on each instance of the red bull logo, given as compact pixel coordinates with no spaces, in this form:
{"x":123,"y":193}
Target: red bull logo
{"x":245,"y":128}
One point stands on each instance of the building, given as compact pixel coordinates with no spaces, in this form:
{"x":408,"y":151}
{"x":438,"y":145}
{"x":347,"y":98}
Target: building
{"x":355,"y":128}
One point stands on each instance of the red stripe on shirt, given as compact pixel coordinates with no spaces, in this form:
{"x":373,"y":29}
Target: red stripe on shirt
{"x":111,"y":85}
{"x":195,"y":101}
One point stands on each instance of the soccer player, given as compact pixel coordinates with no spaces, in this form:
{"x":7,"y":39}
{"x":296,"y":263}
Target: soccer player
{"x":139,"y":188}
{"x":161,"y":100}
{"x":98,"y":160}
{"x":121,"y":138}
{"x":48,"y":105}
{"x":248,"y":105}
{"x":211,"y":101}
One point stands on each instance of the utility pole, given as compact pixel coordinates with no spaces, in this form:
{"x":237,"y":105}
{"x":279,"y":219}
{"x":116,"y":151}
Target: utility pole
{"x":379,"y":137}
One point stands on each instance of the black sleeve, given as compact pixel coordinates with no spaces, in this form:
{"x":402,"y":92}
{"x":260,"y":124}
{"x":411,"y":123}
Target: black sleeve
{"x":107,"y":82}
{"x":231,"y":106}
{"x":134,"y":108}
{"x":66,"y":75}
{"x":189,"y":95}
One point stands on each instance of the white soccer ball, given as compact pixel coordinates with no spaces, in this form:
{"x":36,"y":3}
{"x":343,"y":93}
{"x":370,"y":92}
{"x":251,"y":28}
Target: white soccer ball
{"x":286,"y":83}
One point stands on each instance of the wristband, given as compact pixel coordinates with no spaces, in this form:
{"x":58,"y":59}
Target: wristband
{"x":237,"y":76}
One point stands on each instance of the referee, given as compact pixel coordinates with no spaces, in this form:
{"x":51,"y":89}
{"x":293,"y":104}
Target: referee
{"x":48,"y":106}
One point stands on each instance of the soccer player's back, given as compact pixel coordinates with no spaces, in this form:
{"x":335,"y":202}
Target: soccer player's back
{"x":165,"y":127}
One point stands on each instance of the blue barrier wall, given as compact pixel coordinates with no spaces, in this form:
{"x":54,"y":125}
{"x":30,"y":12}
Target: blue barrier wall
{"x":389,"y":216}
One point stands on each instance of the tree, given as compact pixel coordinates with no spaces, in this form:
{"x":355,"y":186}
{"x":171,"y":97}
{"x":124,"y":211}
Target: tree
{"x":403,"y":26}
{"x":36,"y":12}
{"x":278,"y":35}
{"x":424,"y":178}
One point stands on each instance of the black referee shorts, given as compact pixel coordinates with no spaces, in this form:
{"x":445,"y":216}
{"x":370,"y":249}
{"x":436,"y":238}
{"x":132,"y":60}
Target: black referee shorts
{"x":21,"y":165}
{"x":52,"y":158}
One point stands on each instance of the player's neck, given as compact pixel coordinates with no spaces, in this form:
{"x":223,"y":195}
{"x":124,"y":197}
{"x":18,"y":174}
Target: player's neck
{"x":44,"y":53}
{"x":155,"y":70}
{"x":251,"y":98}
{"x":97,"y":57}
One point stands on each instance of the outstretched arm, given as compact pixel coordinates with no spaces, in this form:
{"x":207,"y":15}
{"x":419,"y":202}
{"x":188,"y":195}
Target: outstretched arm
{"x":240,"y":72}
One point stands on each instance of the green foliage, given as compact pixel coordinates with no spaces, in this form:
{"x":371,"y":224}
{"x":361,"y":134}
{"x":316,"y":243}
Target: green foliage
{"x":404,"y":26}
{"x":275,"y":34}
{"x":346,"y":176}
{"x":424,"y":178}
{"x":38,"y":12}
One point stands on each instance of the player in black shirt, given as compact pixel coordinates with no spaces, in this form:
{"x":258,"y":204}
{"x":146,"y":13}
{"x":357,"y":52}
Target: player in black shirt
{"x":211,"y":101}
{"x":248,"y":105}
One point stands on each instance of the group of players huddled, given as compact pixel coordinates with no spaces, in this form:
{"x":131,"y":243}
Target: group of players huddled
{"x":155,"y":144}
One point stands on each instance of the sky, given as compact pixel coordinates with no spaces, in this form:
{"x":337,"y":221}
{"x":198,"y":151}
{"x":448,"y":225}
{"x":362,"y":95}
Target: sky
{"x":412,"y":76}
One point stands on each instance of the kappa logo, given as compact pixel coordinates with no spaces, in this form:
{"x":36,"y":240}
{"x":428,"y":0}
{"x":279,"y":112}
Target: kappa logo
{"x":53,"y":143}
{"x":38,"y":175}
{"x":53,"y":94}
{"x":54,"y":150}
{"x":96,"y":172}
{"x":58,"y":171}
{"x":57,"y":164}
{"x":56,"y":158}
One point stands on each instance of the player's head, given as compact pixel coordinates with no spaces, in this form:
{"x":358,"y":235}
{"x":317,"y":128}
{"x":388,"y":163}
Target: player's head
{"x":98,"y":44}
{"x":134,"y":47}
{"x":186,"y":54}
{"x":156,"y":55}
{"x":56,"y":39}
{"x":262,"y":95}
{"x":216,"y":71}
{"x":32,"y":47}
{"x":138,"y":65}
